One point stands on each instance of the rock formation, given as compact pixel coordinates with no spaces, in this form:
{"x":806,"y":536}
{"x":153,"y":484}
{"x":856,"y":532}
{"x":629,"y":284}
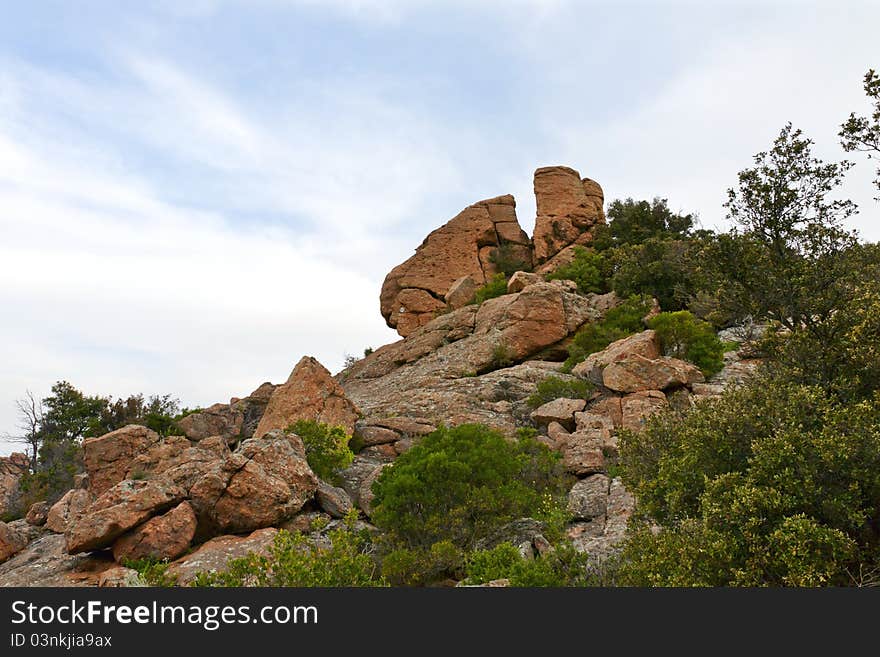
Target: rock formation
{"x":12,"y":469}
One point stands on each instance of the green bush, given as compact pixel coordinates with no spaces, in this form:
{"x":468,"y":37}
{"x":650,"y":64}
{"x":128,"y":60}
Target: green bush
{"x":327,"y":448}
{"x":589,"y":269}
{"x":508,"y":259}
{"x":564,"y":566}
{"x":554,"y":387}
{"x":771,"y":484}
{"x":421,"y":566}
{"x":619,"y":322}
{"x":667,"y":270}
{"x":296,"y":560}
{"x":684,"y":336}
{"x":494,"y":288}
{"x":463,"y":483}
{"x":152,"y":572}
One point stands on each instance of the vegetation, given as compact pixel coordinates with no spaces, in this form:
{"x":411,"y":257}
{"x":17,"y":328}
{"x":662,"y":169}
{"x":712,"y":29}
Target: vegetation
{"x":327,"y":448}
{"x":684,"y":336}
{"x":632,"y":222}
{"x":619,"y":322}
{"x":496,"y":287}
{"x":554,"y":387}
{"x":589,"y":269}
{"x":152,"y":572}
{"x":295,"y":559}
{"x":508,"y":259}
{"x":862,"y":133}
{"x":564,"y":566}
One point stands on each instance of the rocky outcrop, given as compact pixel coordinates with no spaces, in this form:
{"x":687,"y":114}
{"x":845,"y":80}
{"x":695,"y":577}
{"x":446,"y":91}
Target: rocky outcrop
{"x":14,"y":537}
{"x":46,"y":562}
{"x":12,"y":469}
{"x":217,"y":420}
{"x":216,"y":553}
{"x":37,"y":514}
{"x":568,"y":208}
{"x":67,"y":509}
{"x":107,"y":458}
{"x":465,"y":246}
{"x":310,"y":393}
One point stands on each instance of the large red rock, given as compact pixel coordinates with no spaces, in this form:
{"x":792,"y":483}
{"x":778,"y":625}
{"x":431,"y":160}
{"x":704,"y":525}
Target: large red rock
{"x":126,"y":505}
{"x":639,"y":406}
{"x":568,"y":208}
{"x":217,"y":420}
{"x":214,"y":555}
{"x":634,"y":373}
{"x":416,"y":289}
{"x":645,"y":344}
{"x":14,"y":537}
{"x":12,"y":469}
{"x":265,"y":481}
{"x":107,"y":458}
{"x":309,"y":394}
{"x":67,"y":509}
{"x":164,"y":537}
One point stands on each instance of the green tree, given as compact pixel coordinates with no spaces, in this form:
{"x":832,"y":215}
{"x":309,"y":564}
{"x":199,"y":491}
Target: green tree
{"x":684,"y":336}
{"x":862,"y":133}
{"x":635,"y":222}
{"x":619,"y":322}
{"x":327,"y":448}
{"x":770,"y":484}
{"x":589,"y":269}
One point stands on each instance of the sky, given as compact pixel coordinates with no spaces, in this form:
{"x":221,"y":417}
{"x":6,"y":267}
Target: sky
{"x":194,"y":195}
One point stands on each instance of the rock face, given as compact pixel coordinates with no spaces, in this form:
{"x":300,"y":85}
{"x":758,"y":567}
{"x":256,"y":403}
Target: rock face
{"x":67,"y":509}
{"x":309,"y":394}
{"x":214,"y":555}
{"x":414,"y":291}
{"x":45,"y":562}
{"x":12,"y":469}
{"x":107,"y":458}
{"x":13,"y":538}
{"x":568,"y":208}
{"x":217,"y":420}
{"x":163,"y":537}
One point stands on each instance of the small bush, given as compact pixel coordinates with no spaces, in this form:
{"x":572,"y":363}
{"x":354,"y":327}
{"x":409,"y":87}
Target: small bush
{"x":554,"y":387}
{"x":327,"y":448}
{"x":684,"y":336}
{"x":494,"y":288}
{"x":295,"y":560}
{"x":507,"y":258}
{"x":151,"y":571}
{"x":462,"y":484}
{"x":588,"y":269}
{"x":564,"y":566}
{"x":421,"y":566}
{"x":502,"y":356}
{"x":619,"y":322}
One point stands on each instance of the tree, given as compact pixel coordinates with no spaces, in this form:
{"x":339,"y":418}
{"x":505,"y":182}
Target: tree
{"x":634,"y":222}
{"x":861,"y":133}
{"x":30,"y":421}
{"x":70,"y":415}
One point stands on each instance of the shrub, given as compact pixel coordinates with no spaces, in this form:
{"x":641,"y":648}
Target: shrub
{"x":554,"y":387}
{"x":564,"y":566}
{"x":327,"y":448}
{"x":770,"y":484}
{"x":619,"y":322}
{"x":667,"y":270}
{"x":297,"y":560}
{"x":494,"y":288}
{"x":152,"y":572}
{"x":508,"y":259}
{"x":588,"y":269}
{"x":502,"y":356}
{"x":684,"y":336}
{"x":461,"y":484}
{"x":421,"y":566}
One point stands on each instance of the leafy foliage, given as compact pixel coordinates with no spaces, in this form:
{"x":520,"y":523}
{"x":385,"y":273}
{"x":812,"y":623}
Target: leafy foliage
{"x":684,"y":336}
{"x":619,"y":322}
{"x":327,"y":448}
{"x":771,"y":484}
{"x":460,"y":484}
{"x":862,"y":133}
{"x":494,"y":288}
{"x":589,"y":269}
{"x":295,"y":559}
{"x":635,"y":222}
{"x":152,"y":572}
{"x":554,"y":387}
{"x":564,"y":566}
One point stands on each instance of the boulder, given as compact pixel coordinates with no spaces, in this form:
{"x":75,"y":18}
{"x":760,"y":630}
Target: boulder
{"x":309,"y":394}
{"x":643,"y":344}
{"x":107,"y":458}
{"x":461,"y":293}
{"x":175,"y":459}
{"x":119,"y":577}
{"x":214,"y":555}
{"x":588,"y":498}
{"x":557,"y":434}
{"x":217,"y":420}
{"x":263,"y":482}
{"x":365,"y":492}
{"x":252,"y":408}
{"x":639,"y":406}
{"x":67,"y":509}
{"x":521,"y":280}
{"x":335,"y":501}
{"x":559,"y":410}
{"x":14,"y":537}
{"x":37,"y":514}
{"x":353,"y":477}
{"x":517,"y":532}
{"x":582,"y":453}
{"x":375,"y":435}
{"x":12,"y":469}
{"x":633,"y":373}
{"x":568,"y":208}
{"x":163,"y":537}
{"x":122,"y":507}
{"x":609,"y":407}
{"x":415,"y":290}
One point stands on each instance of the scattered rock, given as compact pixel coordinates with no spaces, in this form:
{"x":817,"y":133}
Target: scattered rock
{"x":45,"y":562}
{"x":353,"y":477}
{"x":335,"y":501}
{"x":164,"y":537}
{"x":119,"y":577}
{"x":639,"y":406}
{"x":588,"y":498}
{"x":37,"y":514}
{"x":309,"y":394}
{"x":461,"y":293}
{"x":13,"y":538}
{"x":582,"y":453}
{"x":375,"y":435}
{"x":559,"y":410}
{"x":523,"y":530}
{"x":521,"y":280}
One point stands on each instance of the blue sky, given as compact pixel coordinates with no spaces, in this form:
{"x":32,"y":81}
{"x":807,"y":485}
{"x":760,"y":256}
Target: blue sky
{"x":193,"y":198}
